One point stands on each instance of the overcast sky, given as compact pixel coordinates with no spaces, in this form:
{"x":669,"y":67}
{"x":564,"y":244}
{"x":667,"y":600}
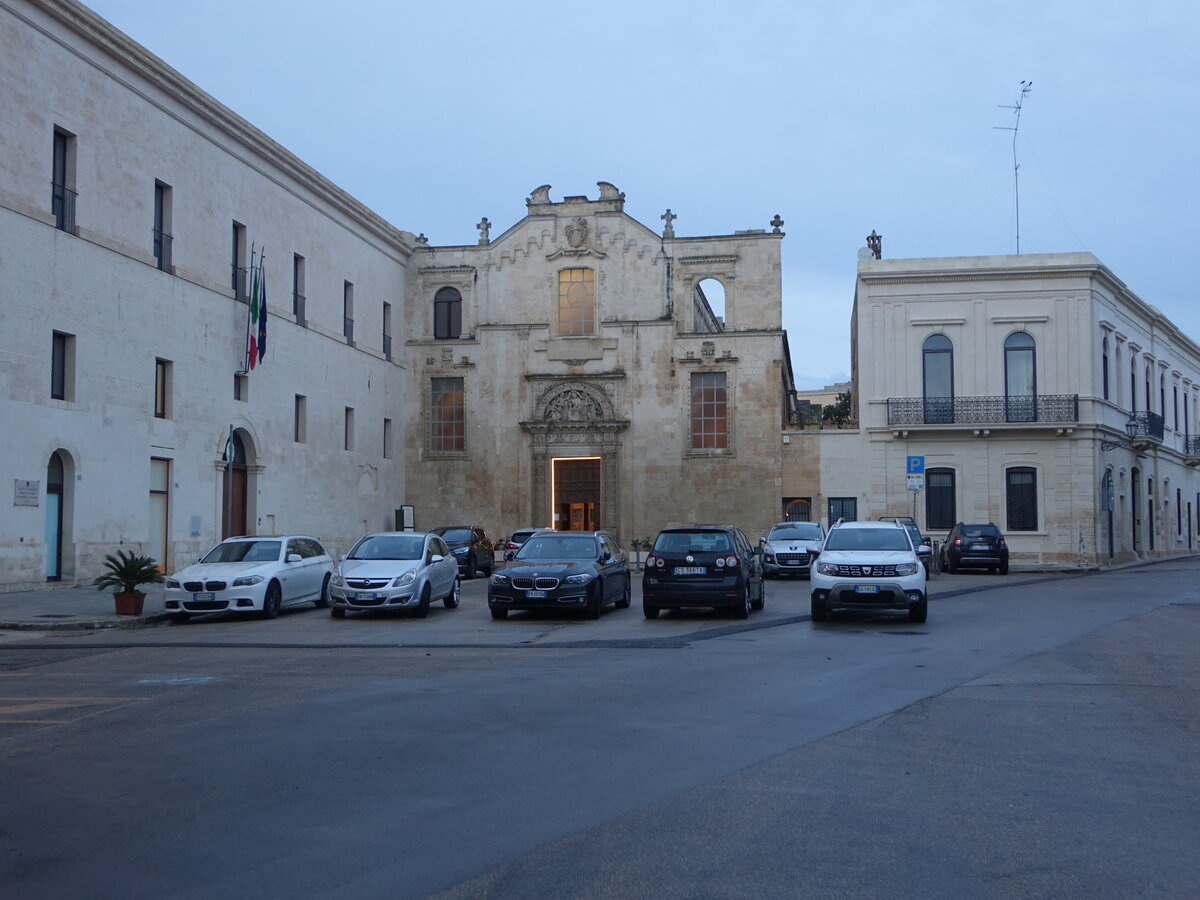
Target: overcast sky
{"x":842,"y":117}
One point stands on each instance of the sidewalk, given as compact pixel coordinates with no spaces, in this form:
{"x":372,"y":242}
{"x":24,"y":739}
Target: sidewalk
{"x":83,"y":608}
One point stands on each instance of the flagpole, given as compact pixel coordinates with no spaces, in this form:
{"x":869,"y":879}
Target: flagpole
{"x":246,"y":337}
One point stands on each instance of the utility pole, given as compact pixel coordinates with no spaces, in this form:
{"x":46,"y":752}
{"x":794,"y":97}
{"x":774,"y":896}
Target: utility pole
{"x":1026,"y":87}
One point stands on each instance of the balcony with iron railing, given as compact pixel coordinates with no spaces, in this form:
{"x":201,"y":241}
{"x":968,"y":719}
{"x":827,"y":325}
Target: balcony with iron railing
{"x":62,"y":204}
{"x":1044,"y":409}
{"x":1191,"y":451}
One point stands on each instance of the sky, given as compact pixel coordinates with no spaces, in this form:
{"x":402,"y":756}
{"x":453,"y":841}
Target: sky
{"x":841,"y":117}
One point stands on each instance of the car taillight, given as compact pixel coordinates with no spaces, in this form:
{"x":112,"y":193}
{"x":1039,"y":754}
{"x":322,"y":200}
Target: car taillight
{"x":652,"y":561}
{"x":1000,"y":541}
{"x":731,"y":562}
{"x":511,"y":546}
{"x":958,"y":541}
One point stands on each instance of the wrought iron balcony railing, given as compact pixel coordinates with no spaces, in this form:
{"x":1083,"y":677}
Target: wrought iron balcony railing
{"x":62,"y":204}
{"x":1149,"y":426}
{"x":1045,"y":408}
{"x":1191,"y":446}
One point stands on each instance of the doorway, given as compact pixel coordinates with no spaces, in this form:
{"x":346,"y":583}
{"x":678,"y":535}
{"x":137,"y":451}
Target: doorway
{"x":576,"y":498}
{"x":55,"y":482}
{"x":233,"y":490}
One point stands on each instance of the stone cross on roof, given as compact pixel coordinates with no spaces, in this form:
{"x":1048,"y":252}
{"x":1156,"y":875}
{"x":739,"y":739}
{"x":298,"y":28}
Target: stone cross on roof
{"x":484,"y":226}
{"x":668,"y":229}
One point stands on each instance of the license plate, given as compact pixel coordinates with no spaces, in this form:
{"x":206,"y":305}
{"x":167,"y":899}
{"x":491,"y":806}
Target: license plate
{"x":535,"y":595}
{"x":689,"y":570}
{"x":980,"y":547}
{"x":791,"y":562}
{"x":866,"y":589}
{"x":364,"y":598}
{"x":204,"y":595}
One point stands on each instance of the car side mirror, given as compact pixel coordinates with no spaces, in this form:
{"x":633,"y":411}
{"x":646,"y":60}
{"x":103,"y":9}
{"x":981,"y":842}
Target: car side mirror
{"x":294,"y":557}
{"x":605,"y":556}
{"x":762,"y":539}
{"x":925,"y":548}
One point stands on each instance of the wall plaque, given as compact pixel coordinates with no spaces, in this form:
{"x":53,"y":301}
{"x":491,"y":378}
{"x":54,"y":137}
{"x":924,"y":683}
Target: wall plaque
{"x":26,"y":493}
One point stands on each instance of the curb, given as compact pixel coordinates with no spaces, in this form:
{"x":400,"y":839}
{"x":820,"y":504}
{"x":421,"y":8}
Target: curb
{"x":87,"y":625}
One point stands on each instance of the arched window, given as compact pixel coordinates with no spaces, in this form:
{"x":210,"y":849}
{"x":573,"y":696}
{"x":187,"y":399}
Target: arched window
{"x":1162,"y":396}
{"x":937,"y":378}
{"x":447,"y":314}
{"x":1020,"y":378}
{"x":1149,"y":404}
{"x":1119,"y":393}
{"x":709,"y":306}
{"x":1104,"y":369}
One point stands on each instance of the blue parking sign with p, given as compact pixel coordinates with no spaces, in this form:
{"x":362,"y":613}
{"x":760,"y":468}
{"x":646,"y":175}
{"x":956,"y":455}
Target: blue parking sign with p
{"x":916,"y":465}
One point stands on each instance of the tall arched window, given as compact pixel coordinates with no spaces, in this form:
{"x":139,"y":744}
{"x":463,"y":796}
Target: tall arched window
{"x":937,"y":378}
{"x":1132,"y":383}
{"x":1104,"y":369}
{"x":1020,"y":378}
{"x":447,"y":314}
{"x":1149,"y":404}
{"x":1118,"y":383}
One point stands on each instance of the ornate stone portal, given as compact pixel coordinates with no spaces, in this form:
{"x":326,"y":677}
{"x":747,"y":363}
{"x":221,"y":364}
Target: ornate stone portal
{"x":575,"y":418}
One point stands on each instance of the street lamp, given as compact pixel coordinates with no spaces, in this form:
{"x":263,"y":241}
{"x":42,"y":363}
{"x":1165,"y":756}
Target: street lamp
{"x":1131,"y":428}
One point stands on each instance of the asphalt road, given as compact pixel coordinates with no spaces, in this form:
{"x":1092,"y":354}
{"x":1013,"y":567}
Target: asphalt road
{"x":1029,"y":740}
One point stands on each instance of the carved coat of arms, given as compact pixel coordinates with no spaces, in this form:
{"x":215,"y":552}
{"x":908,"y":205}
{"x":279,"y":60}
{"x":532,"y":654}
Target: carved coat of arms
{"x":577,"y":233}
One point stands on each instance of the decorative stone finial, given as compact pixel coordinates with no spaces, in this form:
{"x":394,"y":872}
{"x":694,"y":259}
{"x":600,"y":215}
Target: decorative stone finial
{"x":875,"y":243}
{"x":777,"y":225}
{"x":484,"y":226}
{"x":422,"y":240}
{"x":668,"y":229}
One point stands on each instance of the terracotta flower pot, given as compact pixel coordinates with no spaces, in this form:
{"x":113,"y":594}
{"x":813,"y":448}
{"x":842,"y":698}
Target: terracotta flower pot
{"x":129,"y":604}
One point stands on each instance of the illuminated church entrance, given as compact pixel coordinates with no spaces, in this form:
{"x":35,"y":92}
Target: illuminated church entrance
{"x":577,"y":493}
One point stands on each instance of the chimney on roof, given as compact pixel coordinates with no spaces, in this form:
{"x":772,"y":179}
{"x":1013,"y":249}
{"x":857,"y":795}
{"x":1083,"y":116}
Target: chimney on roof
{"x":875,"y":244}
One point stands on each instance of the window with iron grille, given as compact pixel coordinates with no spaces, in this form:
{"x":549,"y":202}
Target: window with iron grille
{"x":940,"y":508}
{"x":710,"y":411}
{"x":447,"y":416}
{"x":62,"y":181}
{"x":447,"y":314}
{"x":845,"y":508}
{"x":162,"y":226}
{"x":576,"y":301}
{"x":1021,"y":498}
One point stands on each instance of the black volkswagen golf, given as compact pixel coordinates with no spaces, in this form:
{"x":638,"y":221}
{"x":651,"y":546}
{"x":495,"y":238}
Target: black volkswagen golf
{"x":562,"y":570}
{"x":703,"y":565}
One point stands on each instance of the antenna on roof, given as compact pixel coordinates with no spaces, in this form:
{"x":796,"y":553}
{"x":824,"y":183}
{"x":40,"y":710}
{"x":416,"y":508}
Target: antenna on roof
{"x":1026,"y":87}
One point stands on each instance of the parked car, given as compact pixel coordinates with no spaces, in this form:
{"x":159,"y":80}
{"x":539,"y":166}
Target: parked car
{"x":868,"y":565}
{"x":517,"y":538}
{"x":251,"y":574}
{"x":395,"y":570}
{"x":471,"y":547}
{"x":789,"y":548}
{"x":920,"y":541}
{"x":562,"y":570}
{"x":703,"y":565}
{"x":975,"y":546}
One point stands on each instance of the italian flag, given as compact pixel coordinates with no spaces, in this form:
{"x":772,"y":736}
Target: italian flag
{"x":257,"y":326}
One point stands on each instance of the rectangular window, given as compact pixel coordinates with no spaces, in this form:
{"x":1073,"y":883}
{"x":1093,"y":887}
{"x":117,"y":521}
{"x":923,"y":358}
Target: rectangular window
{"x":1021,"y":498}
{"x":1179,"y":511}
{"x":62,"y":181}
{"x":300,"y":419}
{"x":1175,"y":406}
{"x":1104,"y":368}
{"x":387,"y":438}
{"x":298,"y":289}
{"x":576,"y":301}
{"x":237,"y":267}
{"x":843,"y":508}
{"x":387,"y":331}
{"x":162,"y":389}
{"x":447,"y":416}
{"x":160,"y":493}
{"x":710,"y":411}
{"x":62,"y":366}
{"x":241,"y":388}
{"x":348,"y":312}
{"x":348,"y":442}
{"x":940,"y":509}
{"x":162,"y":225}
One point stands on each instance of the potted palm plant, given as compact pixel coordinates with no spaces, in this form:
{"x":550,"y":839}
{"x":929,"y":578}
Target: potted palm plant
{"x":127,"y":572}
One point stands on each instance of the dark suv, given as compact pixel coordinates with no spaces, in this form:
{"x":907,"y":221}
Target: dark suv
{"x":471,"y":546}
{"x":703,"y":565}
{"x":975,"y":546}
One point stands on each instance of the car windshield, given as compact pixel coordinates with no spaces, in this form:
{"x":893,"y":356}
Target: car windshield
{"x":243,"y":551}
{"x":693,"y":542}
{"x":972,"y":531}
{"x":867,"y":539}
{"x":557,"y":546}
{"x":389,"y":546}
{"x":799,"y":531}
{"x":456,"y":534}
{"x":914,"y":532}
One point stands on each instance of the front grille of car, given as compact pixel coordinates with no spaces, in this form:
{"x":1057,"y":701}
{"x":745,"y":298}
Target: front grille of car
{"x":800,"y":558}
{"x":866,"y":571}
{"x":541,"y":584}
{"x":205,"y":605}
{"x":196,"y":586}
{"x":366,"y":584}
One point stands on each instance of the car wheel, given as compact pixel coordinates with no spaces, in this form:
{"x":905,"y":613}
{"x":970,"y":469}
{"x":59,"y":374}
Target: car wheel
{"x":337,"y":612}
{"x":499,"y":613}
{"x":742,"y":610}
{"x":1004,"y":567}
{"x":820,"y":612}
{"x":323,"y":600}
{"x":455,"y":596}
{"x":180,"y":618}
{"x":649,"y":611}
{"x":920,"y":611}
{"x":423,"y":607}
{"x":626,"y":598}
{"x":273,"y":601}
{"x":762,"y":595}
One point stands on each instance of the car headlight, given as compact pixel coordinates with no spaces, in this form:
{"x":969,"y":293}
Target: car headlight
{"x":461,"y":551}
{"x":338,"y":580}
{"x":172,"y":583}
{"x":579,"y":579}
{"x":825,"y":568}
{"x":407,"y":578}
{"x":498,"y":579}
{"x":906,"y":569}
{"x":247,"y":580}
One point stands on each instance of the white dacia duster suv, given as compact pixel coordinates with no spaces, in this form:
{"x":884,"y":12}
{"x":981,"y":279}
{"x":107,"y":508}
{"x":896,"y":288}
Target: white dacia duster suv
{"x":868,"y":565}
